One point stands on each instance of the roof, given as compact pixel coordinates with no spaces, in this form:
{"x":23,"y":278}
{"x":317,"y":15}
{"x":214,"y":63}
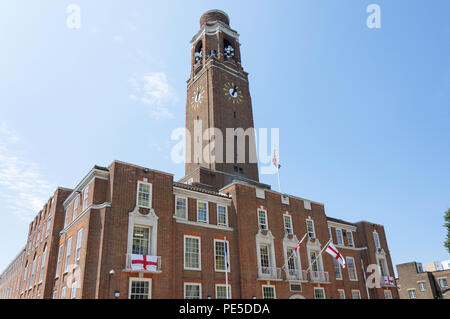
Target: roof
{"x":340,"y":221}
{"x":199,"y":189}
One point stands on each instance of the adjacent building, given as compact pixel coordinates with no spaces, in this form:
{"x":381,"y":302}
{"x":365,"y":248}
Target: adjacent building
{"x":416,"y":283}
{"x":217,"y":232}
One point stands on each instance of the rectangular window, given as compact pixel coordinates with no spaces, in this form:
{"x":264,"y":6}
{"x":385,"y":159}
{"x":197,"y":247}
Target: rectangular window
{"x":356,"y":294}
{"x":85,"y":197}
{"x":337,"y":269}
{"x":382,"y":265}
{"x":264,"y":258}
{"x":139,"y":289}
{"x":291,"y":262}
{"x":219,"y":255}
{"x":47,"y":232}
{"x":141,"y":240}
{"x":73,"y":291}
{"x":221,"y":292}
{"x":63,"y":292}
{"x":340,"y":240}
{"x":412,"y":293}
{"x":75,"y":207}
{"x":422,"y":286}
{"x":310,"y":228}
{"x":181,"y":207}
{"x":350,"y":239}
{"x":222,"y":215}
{"x":144,"y":195}
{"x":66,"y":218}
{"x":78,"y":247}
{"x":202,"y":212}
{"x":319,"y":293}
{"x":192,"y":291}
{"x":55,"y":294}
{"x":376,"y":240}
{"x":192,"y":253}
{"x":44,"y":256}
{"x":268,"y":292}
{"x":262,"y":219}
{"x":443,"y":282}
{"x":68,"y":248}
{"x":329,"y":233}
{"x":387,"y":294}
{"x":341,"y":293}
{"x":287,"y":224}
{"x":58,"y":263}
{"x":351,"y":268}
{"x":315,"y":261}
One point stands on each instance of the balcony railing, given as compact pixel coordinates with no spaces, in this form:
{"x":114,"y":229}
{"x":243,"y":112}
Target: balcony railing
{"x":149,"y":268}
{"x":296,"y":274}
{"x":270,"y":273}
{"x":319,"y":276}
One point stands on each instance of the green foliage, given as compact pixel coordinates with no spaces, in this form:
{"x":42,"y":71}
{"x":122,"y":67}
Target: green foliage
{"x":447,"y":225}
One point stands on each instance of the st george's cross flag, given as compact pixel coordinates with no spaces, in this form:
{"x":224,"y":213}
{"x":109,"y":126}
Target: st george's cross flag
{"x":144,"y":262}
{"x":332,"y":250}
{"x":296,"y":249}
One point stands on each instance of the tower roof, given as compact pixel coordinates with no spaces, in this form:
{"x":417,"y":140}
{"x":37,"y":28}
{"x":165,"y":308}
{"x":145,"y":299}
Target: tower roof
{"x":214,"y":15}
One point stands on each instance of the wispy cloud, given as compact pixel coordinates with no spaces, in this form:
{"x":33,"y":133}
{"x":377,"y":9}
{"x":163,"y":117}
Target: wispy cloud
{"x":22,"y":186}
{"x":155,"y":91}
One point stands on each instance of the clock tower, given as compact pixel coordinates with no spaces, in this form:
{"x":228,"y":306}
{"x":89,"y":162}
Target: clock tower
{"x":218,"y":100}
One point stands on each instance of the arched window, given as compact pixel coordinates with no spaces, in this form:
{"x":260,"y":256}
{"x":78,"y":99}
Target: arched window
{"x":198,"y":55}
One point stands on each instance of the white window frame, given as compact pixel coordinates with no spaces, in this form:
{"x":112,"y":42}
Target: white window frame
{"x":330,"y":234}
{"x":355,"y":271}
{"x":339,"y":237}
{"x":73,"y":290}
{"x":443,"y":278}
{"x":67,"y":257}
{"x":186,"y":207}
{"x":376,"y":240}
{"x":75,"y":206}
{"x":419,"y":283}
{"x":269,"y":286}
{"x":85,"y":197}
{"x":78,"y":246}
{"x":323,"y":290}
{"x":150,"y":195}
{"x":351,"y":242}
{"x":226,"y":286}
{"x":226,"y":215}
{"x":193,"y":284}
{"x":47,"y":231}
{"x":150,"y":237}
{"x":266,"y":225}
{"x":149,"y":280}
{"x":356,"y":291}
{"x":63,"y":293}
{"x":288,"y":230}
{"x":199,"y":252}
{"x":58,"y":261}
{"x":409,"y":293}
{"x":43,"y":257}
{"x":343,"y":293}
{"x":340,"y":269}
{"x":313,"y":228}
{"x":207,"y":212}
{"x":228,"y":256}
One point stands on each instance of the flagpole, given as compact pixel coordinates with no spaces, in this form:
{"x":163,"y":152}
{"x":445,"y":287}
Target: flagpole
{"x":365,"y":279}
{"x":292,"y":254}
{"x":324,"y":247}
{"x":226,"y":268}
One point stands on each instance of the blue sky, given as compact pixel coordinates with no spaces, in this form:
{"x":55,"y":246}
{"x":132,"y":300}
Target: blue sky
{"x":363,"y":113}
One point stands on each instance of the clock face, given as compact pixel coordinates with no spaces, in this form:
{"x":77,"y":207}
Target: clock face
{"x":233,"y":92}
{"x":197,"y":97}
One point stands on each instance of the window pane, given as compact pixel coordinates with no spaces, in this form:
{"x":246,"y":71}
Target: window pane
{"x":144,"y":195}
{"x":192,"y":291}
{"x":181,"y":208}
{"x":139,"y":290}
{"x":141,"y":241}
{"x":192,"y":253}
{"x":202,"y":212}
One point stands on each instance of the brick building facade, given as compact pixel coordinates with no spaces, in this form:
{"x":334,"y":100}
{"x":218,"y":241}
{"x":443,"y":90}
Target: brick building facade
{"x":415,"y":283}
{"x":81,"y":244}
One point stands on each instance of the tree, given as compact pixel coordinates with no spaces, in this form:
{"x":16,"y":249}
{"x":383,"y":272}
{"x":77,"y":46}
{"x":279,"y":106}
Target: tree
{"x":447,"y":224}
